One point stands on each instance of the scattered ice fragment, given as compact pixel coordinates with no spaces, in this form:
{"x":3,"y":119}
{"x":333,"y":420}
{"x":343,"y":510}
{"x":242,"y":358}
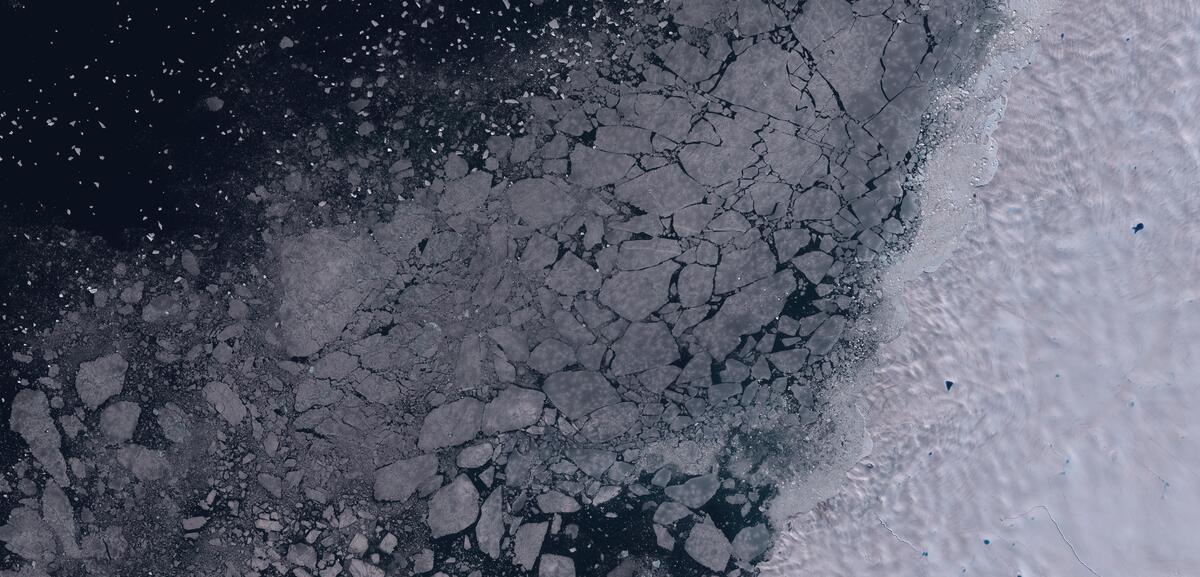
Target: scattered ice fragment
{"x":577,"y":393}
{"x":528,"y":544}
{"x":119,"y":420}
{"x":30,"y":418}
{"x":514,"y":408}
{"x":695,"y":492}
{"x":451,"y":424}
{"x":490,"y":528}
{"x":556,"y":502}
{"x":556,"y":566}
{"x":99,"y":379}
{"x":708,"y":546}
{"x":225,"y":401}
{"x":453,"y":508}
{"x":751,"y":542}
{"x":399,"y":480}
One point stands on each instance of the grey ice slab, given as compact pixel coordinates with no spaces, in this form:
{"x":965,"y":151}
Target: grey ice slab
{"x":514,"y":408}
{"x":551,"y":355}
{"x":490,"y":527}
{"x":695,"y":492}
{"x":577,"y":393}
{"x":636,"y":294}
{"x":451,"y":424}
{"x":556,"y":502}
{"x":99,"y":379}
{"x":527,"y":544}
{"x":708,"y":546}
{"x":399,"y":480}
{"x":453,"y":508}
{"x":644,"y":346}
{"x":571,"y":276}
{"x":119,"y":420}
{"x":540,"y":202}
{"x":225,"y":401}
{"x":30,"y":418}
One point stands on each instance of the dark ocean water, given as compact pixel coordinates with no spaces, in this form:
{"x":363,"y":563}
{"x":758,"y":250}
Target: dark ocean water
{"x":108,"y":125}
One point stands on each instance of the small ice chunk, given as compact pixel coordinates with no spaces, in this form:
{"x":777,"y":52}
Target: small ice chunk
{"x":644,"y":346}
{"x":695,"y":492}
{"x":814,"y":265}
{"x":540,"y":202}
{"x":360,"y":568}
{"x":225,"y":401}
{"x":708,"y":546}
{"x":191,"y":264}
{"x":577,"y":393}
{"x":751,"y":542}
{"x":551,"y":355}
{"x":399,"y":480}
{"x":816,"y":204}
{"x":739,"y":268}
{"x":451,"y":424}
{"x":556,"y":502}
{"x":512,"y":342}
{"x":490,"y":528}
{"x":30,"y":418}
{"x":474,"y":456}
{"x":101,"y":378}
{"x":593,"y":168}
{"x":636,"y":294}
{"x":695,"y":284}
{"x":639,"y":254}
{"x":145,"y":464}
{"x":611,"y":422}
{"x":302,"y":554}
{"x":691,"y":220}
{"x":358,"y":544}
{"x":174,"y":423}
{"x":661,"y":191}
{"x":271,"y":483}
{"x":594,"y":462}
{"x":571,"y":275}
{"x":453,"y":508}
{"x":423,"y":561}
{"x":669,"y":512}
{"x":663,"y":537}
{"x":527,"y":544}
{"x":119,"y":420}
{"x":556,"y":566}
{"x":514,"y":408}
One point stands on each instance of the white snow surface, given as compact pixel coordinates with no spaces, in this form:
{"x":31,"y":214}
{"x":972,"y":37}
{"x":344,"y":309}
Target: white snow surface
{"x":1069,"y":444}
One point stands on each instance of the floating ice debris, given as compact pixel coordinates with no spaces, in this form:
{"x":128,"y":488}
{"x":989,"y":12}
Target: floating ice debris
{"x":641,"y":264}
{"x":453,"y":508}
{"x":708,"y":546}
{"x":99,"y":379}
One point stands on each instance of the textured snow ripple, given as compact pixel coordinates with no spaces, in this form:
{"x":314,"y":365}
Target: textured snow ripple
{"x":1067,"y":445}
